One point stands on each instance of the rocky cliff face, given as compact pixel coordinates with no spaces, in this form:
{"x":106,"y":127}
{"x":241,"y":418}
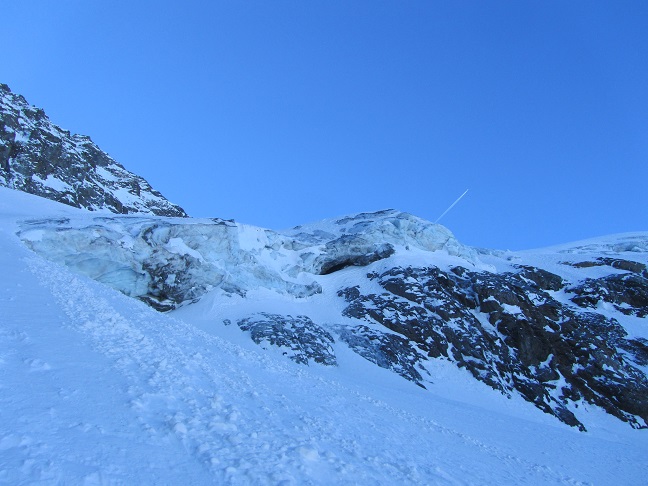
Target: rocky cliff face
{"x":509,"y":331}
{"x":41,"y":158}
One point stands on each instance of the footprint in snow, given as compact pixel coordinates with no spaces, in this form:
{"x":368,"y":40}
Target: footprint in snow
{"x":37,"y":365}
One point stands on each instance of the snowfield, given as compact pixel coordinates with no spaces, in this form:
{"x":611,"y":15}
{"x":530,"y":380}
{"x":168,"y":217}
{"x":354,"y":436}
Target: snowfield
{"x":98,"y":388}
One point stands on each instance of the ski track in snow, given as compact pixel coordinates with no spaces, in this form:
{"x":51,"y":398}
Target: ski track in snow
{"x":190,"y":399}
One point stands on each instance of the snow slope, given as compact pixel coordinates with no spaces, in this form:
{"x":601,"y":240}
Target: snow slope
{"x":98,"y":388}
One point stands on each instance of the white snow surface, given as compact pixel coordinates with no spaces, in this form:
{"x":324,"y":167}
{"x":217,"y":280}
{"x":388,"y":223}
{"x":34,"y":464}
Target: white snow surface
{"x":97,"y":388}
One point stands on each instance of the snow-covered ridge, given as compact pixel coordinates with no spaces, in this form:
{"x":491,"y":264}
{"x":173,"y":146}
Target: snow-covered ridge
{"x":633,"y":243}
{"x":38,"y":157}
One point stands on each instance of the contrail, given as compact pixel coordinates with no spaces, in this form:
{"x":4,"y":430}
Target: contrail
{"x":451,"y":206}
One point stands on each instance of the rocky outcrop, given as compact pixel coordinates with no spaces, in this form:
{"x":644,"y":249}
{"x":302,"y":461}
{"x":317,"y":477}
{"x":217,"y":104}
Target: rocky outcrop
{"x":298,"y":338}
{"x":41,"y":158}
{"x":387,"y":350}
{"x":618,"y":263}
{"x":628,"y":293}
{"x":512,"y":335}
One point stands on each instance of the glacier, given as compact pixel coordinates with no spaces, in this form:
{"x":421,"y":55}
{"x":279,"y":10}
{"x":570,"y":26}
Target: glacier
{"x":169,"y":262}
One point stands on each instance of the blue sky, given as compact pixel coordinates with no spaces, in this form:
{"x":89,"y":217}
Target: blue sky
{"x":277,"y":113}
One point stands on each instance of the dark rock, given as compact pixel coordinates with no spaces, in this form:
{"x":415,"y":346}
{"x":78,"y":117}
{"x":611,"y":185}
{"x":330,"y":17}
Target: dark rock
{"x":628,"y":293}
{"x":299,"y":338}
{"x":543,"y":279}
{"x":389,"y":351}
{"x":618,"y":263}
{"x":585,"y":264}
{"x":634,"y":267}
{"x":512,"y":335}
{"x":638,"y":350}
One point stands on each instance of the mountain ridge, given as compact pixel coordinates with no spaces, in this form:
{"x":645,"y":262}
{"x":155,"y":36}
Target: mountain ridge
{"x":39,"y":157}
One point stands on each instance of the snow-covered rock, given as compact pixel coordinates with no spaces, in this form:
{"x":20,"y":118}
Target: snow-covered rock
{"x":297,"y":337}
{"x":41,"y":158}
{"x":513,"y":335}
